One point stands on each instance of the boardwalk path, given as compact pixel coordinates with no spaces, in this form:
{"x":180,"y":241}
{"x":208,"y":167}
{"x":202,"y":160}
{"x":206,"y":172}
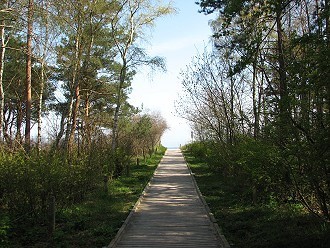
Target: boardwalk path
{"x":171,"y":212}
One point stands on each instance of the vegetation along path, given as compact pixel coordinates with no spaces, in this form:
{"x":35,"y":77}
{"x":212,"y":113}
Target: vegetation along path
{"x":171,"y":212}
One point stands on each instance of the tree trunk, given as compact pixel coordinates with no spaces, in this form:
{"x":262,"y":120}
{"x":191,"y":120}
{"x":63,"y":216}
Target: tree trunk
{"x":41,"y":92}
{"x":42,"y":81}
{"x":256,"y":101}
{"x":28,"y":91}
{"x":76,"y":97}
{"x":87,"y":126}
{"x":68,"y":121}
{"x":19,"y":120}
{"x":61,"y":132}
{"x":232,"y":117}
{"x":118,"y":105}
{"x":284,"y":114}
{"x":2,"y":64}
{"x":75,"y":110}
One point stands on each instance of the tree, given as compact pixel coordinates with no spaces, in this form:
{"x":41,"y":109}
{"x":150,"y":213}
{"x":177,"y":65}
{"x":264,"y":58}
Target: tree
{"x":82,"y":55}
{"x":138,"y":135}
{"x":272,"y":41}
{"x":131,"y":20}
{"x":28,"y":88}
{"x":14,"y":103}
{"x":44,"y":46}
{"x":5,"y":14}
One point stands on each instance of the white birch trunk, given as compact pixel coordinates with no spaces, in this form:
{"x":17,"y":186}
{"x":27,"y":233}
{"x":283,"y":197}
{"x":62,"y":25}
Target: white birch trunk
{"x":2,"y":64}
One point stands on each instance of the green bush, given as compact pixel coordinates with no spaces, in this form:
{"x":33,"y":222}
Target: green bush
{"x":28,"y":183}
{"x":256,"y":164}
{"x":253,"y":164}
{"x":4,"y":227}
{"x":196,"y":149}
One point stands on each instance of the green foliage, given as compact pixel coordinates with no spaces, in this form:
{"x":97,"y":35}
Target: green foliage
{"x":257,"y":162}
{"x":276,"y":90}
{"x":4,"y":228}
{"x":253,"y":165}
{"x":271,"y":224}
{"x":85,"y":215}
{"x":139,"y":135}
{"x":94,"y":45}
{"x":28,"y":182}
{"x":196,"y":149}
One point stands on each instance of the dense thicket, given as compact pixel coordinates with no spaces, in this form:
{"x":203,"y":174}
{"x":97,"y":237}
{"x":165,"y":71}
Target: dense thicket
{"x":259,"y":101}
{"x":65,"y":121}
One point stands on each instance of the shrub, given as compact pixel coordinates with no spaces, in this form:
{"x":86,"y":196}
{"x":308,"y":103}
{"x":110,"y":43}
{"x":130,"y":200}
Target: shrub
{"x":196,"y":149}
{"x":252,"y":164}
{"x":4,"y":227}
{"x":28,"y":183}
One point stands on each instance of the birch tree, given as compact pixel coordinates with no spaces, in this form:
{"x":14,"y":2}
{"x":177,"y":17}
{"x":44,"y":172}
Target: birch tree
{"x":44,"y":47}
{"x":128,"y":26}
{"x":4,"y":13}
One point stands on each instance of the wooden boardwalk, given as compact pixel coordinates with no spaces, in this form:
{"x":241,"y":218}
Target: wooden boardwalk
{"x":171,"y":212}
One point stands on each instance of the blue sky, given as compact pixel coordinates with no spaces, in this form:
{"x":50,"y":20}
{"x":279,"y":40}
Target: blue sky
{"x":177,"y":38}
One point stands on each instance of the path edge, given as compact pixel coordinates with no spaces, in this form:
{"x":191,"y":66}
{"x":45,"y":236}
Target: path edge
{"x":223,"y":241}
{"x":122,"y":229}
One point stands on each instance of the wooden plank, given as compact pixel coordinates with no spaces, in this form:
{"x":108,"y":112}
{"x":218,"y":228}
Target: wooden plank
{"x":171,"y":212}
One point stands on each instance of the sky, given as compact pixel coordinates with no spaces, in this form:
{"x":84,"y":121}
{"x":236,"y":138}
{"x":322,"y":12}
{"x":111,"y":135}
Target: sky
{"x":177,"y":38}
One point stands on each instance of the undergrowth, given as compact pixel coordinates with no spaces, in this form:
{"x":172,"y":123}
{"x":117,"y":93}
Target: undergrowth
{"x":93,"y":222}
{"x":271,"y":224}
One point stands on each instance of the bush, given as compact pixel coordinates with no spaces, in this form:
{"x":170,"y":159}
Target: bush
{"x":196,"y":149}
{"x":28,"y":183}
{"x":4,"y":227}
{"x":257,"y":163}
{"x":252,"y":164}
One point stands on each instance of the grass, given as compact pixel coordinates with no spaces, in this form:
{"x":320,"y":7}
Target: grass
{"x":94,"y":222}
{"x":268,"y":225}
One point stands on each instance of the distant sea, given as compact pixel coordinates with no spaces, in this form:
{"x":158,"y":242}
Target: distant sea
{"x":173,"y":147}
